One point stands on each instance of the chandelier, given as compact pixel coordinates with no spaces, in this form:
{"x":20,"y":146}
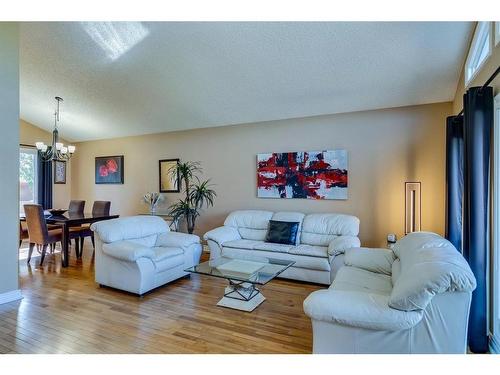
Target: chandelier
{"x":56,"y":151}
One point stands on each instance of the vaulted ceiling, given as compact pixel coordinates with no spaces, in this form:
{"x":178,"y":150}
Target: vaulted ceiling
{"x":121,"y":79}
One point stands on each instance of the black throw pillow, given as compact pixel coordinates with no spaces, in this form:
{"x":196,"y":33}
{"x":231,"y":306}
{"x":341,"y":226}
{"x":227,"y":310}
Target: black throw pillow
{"x":283,"y":232}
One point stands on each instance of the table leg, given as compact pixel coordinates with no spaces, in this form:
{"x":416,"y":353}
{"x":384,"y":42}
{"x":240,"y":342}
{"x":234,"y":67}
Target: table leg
{"x":241,"y":296}
{"x":65,"y":246}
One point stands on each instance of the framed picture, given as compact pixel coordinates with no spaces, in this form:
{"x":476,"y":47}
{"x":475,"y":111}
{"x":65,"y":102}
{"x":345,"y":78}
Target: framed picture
{"x":109,"y":169}
{"x":303,"y":174}
{"x":59,"y":172}
{"x":169,"y":182}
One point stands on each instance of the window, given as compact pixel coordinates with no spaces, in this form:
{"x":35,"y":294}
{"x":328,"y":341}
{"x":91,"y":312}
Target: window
{"x":28,"y":173}
{"x":480,"y":50}
{"x":497,"y":33}
{"x":495,"y":345}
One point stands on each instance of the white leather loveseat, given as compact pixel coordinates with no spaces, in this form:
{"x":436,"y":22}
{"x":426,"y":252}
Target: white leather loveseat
{"x":139,"y":253}
{"x":413,"y":300}
{"x":318,"y":253}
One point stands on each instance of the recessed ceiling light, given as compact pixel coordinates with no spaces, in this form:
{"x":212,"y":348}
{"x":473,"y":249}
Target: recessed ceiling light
{"x":115,"y":38}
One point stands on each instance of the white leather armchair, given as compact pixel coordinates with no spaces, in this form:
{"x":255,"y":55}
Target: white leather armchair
{"x":139,"y":253}
{"x":413,"y":300}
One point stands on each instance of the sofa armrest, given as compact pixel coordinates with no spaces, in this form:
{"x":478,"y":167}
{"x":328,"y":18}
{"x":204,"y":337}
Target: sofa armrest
{"x":127,"y":250}
{"x":341,"y":243}
{"x":176,"y":239}
{"x":358,"y":309}
{"x":373,"y":260}
{"x":222,"y":234}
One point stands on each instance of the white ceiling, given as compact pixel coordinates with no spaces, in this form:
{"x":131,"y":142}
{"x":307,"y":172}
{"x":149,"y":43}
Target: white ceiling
{"x":181,"y":76}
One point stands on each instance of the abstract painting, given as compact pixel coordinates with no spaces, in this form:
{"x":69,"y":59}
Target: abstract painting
{"x":59,"y":172}
{"x":169,"y":182}
{"x":109,"y":169}
{"x":305,"y":174}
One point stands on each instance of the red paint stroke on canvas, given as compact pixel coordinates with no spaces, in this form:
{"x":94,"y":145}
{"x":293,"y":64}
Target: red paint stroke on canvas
{"x":303,"y":178}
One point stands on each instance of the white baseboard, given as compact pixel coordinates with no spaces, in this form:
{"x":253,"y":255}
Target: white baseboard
{"x":13,"y":295}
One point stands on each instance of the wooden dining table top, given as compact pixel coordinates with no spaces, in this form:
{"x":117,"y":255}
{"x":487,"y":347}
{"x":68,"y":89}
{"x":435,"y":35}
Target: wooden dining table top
{"x":74,"y":218}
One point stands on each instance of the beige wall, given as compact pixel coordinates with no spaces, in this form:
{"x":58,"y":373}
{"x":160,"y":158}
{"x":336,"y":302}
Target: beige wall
{"x":386,"y":148}
{"x":488,"y":68}
{"x":9,"y":154}
{"x":28,"y":135}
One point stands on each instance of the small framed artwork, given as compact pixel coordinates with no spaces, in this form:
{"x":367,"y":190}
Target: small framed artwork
{"x":169,"y":176}
{"x":59,"y":172}
{"x":109,"y":169}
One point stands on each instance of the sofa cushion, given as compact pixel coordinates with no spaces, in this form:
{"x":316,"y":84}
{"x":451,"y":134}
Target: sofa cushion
{"x":251,"y":224}
{"x":294,"y":217}
{"x":359,"y":309}
{"x":373,"y":260}
{"x":283,"y":232}
{"x":148,"y":241}
{"x":274,"y":247}
{"x":127,"y":251}
{"x":241,"y":244}
{"x":309,"y":250}
{"x":321,"y":229}
{"x":396,"y":271}
{"x":164,"y":252}
{"x":417,"y":240}
{"x":168,"y":258}
{"x":359,"y":280}
{"x":177,"y":239}
{"x":430,"y":265}
{"x":127,"y":228}
{"x":301,"y":261}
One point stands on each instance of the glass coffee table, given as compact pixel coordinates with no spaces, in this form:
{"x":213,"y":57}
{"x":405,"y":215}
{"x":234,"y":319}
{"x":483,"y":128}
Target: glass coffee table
{"x":243,"y":274}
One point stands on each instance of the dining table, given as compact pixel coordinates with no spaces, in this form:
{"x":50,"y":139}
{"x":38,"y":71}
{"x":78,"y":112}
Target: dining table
{"x":72,"y":219}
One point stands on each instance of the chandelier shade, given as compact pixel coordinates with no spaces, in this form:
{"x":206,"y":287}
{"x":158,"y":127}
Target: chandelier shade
{"x":57,"y":150}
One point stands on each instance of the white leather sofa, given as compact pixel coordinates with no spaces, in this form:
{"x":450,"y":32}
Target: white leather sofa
{"x":139,"y":253}
{"x":414,"y":299}
{"x":318,"y":253}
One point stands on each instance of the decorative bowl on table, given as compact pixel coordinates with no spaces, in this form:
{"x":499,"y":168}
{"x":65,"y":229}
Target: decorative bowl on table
{"x":57,"y":211}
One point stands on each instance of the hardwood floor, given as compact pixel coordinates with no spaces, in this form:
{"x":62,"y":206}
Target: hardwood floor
{"x":64,"y":311}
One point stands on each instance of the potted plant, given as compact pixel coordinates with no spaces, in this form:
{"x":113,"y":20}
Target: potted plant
{"x":197,"y":193}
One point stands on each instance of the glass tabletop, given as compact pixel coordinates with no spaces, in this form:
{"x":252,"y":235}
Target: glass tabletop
{"x":255,"y":270}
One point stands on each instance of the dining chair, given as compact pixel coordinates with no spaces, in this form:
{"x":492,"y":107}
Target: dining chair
{"x":76,"y":206}
{"x":99,"y":208}
{"x":23,"y":233}
{"x":39,"y":233}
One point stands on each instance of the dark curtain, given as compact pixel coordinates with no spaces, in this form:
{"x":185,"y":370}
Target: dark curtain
{"x":478,"y":124}
{"x":454,"y":179}
{"x":44,"y":183}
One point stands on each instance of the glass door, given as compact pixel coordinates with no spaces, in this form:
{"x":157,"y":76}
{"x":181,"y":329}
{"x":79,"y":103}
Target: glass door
{"x":28,"y":174}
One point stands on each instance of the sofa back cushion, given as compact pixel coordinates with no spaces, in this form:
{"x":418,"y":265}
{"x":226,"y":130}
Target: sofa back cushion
{"x":142,"y":228}
{"x":294,"y":217}
{"x":430,"y":265}
{"x":396,"y":271}
{"x":251,"y":224}
{"x":414,"y":241}
{"x":321,"y":229}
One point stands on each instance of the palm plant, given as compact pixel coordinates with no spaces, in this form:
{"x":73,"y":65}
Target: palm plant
{"x":197,"y":193}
